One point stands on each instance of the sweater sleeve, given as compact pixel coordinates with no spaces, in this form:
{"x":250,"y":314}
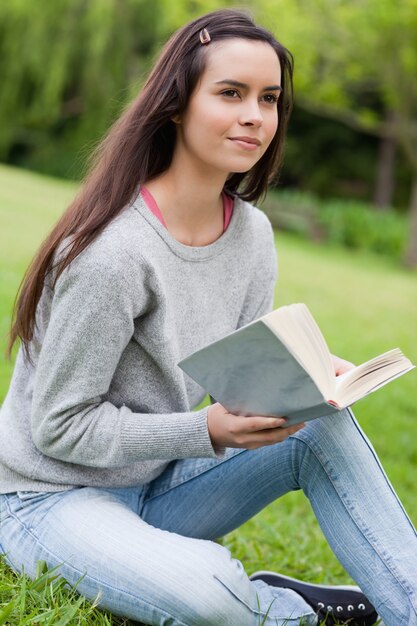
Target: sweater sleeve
{"x":93,"y":309}
{"x":259,"y":298}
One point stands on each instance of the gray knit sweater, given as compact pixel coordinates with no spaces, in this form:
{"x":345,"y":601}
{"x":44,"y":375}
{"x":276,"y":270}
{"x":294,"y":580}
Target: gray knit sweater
{"x":104,"y":403}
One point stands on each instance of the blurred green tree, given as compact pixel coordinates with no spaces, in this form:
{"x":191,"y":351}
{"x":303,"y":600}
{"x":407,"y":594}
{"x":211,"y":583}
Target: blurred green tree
{"x":67,"y":68}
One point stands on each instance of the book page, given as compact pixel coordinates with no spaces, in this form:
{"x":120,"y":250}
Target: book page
{"x":297,"y":329}
{"x":319,"y":344}
{"x":371,"y":375}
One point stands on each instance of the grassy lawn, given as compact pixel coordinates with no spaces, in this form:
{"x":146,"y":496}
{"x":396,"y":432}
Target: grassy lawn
{"x":364,"y":304}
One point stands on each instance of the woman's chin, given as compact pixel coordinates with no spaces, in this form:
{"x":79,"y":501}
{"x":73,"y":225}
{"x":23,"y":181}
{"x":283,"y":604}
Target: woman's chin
{"x":242,"y":169}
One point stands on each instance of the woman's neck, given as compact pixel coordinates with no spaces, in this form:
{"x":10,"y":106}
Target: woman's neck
{"x":190,"y":202}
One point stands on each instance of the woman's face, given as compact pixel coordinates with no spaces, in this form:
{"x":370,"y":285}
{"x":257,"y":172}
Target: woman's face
{"x":232,"y":115}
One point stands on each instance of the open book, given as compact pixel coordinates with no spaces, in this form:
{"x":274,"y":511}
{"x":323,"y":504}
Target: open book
{"x":280,"y":365}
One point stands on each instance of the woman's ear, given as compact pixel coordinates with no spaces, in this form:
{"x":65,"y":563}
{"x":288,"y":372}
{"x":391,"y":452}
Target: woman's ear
{"x":176,"y":118}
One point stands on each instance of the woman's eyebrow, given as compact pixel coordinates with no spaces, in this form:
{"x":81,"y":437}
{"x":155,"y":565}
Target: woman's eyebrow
{"x":236,"y":83}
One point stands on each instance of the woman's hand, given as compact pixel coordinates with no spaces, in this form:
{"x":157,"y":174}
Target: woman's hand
{"x":236,"y":431}
{"x":341,"y":366}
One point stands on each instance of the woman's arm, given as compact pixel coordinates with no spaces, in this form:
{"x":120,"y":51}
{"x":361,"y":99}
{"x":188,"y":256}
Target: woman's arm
{"x":92,"y":318}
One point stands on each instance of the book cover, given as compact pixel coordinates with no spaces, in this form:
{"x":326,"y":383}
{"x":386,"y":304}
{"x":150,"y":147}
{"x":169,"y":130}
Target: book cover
{"x":254,"y":371}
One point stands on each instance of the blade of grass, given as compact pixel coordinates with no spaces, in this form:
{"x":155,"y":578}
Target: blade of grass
{"x":6,"y":612}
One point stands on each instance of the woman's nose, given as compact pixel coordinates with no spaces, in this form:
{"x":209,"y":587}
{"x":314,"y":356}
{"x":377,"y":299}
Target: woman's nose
{"x":251,"y":115}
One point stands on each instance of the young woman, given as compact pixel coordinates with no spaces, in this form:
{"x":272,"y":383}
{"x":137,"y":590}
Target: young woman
{"x":105,"y":467}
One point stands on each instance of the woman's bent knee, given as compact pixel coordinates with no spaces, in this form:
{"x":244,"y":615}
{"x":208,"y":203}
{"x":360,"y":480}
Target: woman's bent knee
{"x":218,"y":604}
{"x":218,"y":591}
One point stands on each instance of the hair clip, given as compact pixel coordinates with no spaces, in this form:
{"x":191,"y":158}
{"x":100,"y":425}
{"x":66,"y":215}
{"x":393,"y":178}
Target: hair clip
{"x":204,"y":36}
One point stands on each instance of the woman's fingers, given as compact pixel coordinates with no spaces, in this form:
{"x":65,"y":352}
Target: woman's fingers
{"x":267,"y":437}
{"x":238,"y":431}
{"x":259,"y":423}
{"x":341,"y":366}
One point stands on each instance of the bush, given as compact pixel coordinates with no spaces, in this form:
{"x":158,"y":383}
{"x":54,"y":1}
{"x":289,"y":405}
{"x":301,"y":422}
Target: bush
{"x":349,"y":223}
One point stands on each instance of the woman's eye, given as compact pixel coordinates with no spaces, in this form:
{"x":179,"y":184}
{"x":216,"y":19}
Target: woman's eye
{"x":271,"y":98}
{"x":230,"y":93}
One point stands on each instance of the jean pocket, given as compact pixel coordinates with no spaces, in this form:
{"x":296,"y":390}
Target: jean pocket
{"x":12,"y":503}
{"x":27,"y":498}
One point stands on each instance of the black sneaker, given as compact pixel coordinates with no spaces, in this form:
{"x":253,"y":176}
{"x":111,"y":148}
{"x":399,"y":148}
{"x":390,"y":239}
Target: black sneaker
{"x":333,"y":604}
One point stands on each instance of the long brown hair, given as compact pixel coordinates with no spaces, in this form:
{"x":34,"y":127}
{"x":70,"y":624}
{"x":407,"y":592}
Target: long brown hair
{"x":140,"y":145}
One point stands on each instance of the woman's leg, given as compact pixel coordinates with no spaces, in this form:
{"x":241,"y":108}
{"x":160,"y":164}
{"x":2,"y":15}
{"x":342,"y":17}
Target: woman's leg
{"x":335,"y":465}
{"x":143,"y":573}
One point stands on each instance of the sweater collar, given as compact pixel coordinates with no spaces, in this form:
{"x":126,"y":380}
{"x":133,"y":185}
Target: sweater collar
{"x":196,"y":253}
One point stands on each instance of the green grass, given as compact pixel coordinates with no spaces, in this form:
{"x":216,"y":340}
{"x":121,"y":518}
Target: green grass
{"x":365,"y":304}
{"x":46,"y":601}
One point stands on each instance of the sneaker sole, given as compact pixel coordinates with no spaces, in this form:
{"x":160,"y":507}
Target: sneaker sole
{"x":301,"y":583}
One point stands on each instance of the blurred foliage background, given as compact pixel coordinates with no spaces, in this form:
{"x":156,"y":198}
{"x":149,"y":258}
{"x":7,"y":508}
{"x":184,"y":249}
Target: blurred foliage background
{"x":68,"y":68}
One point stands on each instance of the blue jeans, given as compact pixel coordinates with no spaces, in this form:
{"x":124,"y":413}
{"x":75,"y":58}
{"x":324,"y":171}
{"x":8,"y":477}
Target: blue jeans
{"x":149,"y":550}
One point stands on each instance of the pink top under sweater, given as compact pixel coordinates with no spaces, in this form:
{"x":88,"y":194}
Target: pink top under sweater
{"x":151,"y":204}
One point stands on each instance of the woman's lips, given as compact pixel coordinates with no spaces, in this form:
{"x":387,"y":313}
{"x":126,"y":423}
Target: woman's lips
{"x":247,"y":143}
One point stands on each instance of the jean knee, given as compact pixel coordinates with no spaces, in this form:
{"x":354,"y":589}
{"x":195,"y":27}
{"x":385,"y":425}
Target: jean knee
{"x":335,"y":448}
{"x":220,"y":606}
{"x":221,"y":594}
{"x":326,"y":442}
